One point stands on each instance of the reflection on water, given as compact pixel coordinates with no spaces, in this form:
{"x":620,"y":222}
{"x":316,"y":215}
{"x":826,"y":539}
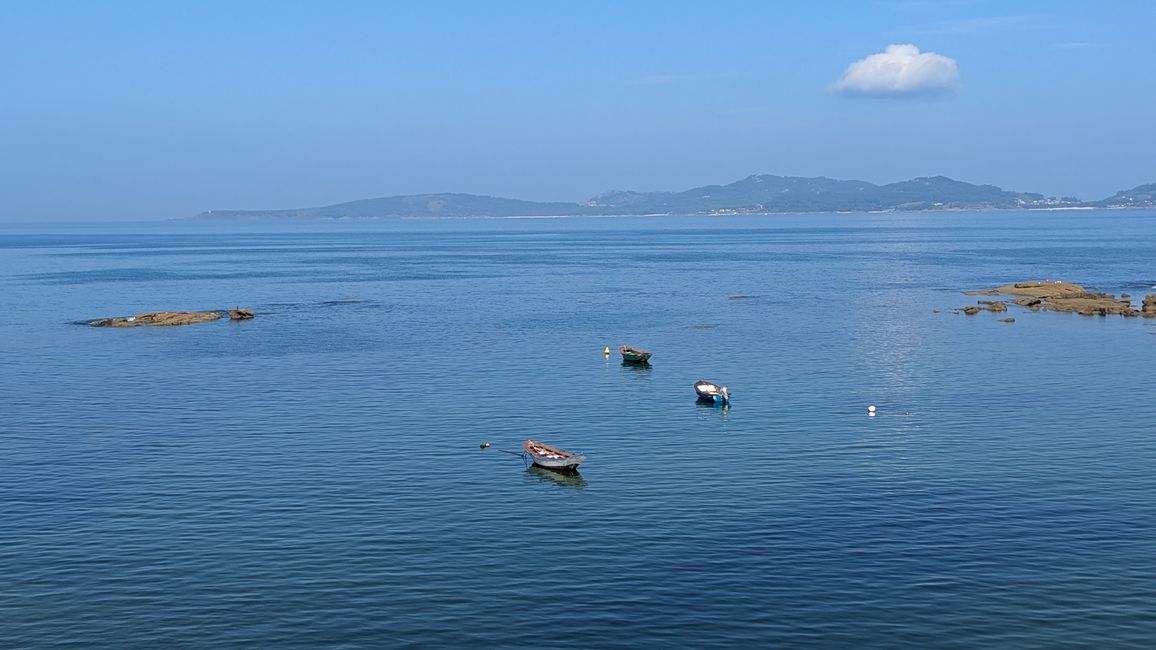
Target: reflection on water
{"x":640,"y":368}
{"x":570,"y":479}
{"x":710,"y":405}
{"x":707,"y":402}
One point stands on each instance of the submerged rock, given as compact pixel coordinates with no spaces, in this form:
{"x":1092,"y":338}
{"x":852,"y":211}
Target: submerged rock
{"x":1007,"y":320}
{"x":158,"y":318}
{"x":994,"y":306}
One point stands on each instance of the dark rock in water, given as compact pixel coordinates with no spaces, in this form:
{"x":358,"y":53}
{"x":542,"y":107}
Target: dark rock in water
{"x":971,"y":310}
{"x":1007,"y":320}
{"x":158,"y":318}
{"x":240,"y":314}
{"x":703,"y":326}
{"x":741,"y":297}
{"x":997,"y":306}
{"x":1148,"y":308}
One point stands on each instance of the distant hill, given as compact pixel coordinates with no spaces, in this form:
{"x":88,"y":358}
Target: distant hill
{"x":418,"y":205}
{"x":759,"y":194}
{"x":1141,"y":196}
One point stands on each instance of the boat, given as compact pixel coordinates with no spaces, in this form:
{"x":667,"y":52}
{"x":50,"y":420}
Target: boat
{"x":553,"y":458}
{"x":633,"y":355}
{"x":711,"y":391}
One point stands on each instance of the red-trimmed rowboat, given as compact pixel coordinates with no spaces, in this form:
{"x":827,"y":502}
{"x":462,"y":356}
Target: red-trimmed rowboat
{"x":549,"y":457}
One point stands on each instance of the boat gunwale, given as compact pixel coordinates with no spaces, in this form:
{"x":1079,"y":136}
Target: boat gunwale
{"x":548,"y":448}
{"x":703,"y":384}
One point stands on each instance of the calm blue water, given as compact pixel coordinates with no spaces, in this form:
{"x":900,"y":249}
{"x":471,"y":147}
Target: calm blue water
{"x":312,"y":478}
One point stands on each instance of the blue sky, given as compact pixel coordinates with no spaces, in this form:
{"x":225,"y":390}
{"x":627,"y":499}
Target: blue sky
{"x":136,"y":110}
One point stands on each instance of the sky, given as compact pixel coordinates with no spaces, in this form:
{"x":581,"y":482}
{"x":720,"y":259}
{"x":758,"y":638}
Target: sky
{"x":155,"y":110}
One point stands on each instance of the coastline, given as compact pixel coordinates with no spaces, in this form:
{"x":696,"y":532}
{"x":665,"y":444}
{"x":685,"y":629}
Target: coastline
{"x":784,"y":213}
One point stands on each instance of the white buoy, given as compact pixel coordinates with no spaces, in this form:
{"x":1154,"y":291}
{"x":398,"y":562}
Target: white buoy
{"x":871,"y":410}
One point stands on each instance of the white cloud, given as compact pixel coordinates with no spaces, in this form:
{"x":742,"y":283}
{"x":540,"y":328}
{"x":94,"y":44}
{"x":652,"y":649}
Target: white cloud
{"x":899,"y":71}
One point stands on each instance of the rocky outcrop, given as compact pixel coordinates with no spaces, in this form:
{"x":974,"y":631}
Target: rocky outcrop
{"x":240,"y":314}
{"x":158,"y":318}
{"x":1065,"y":297}
{"x":1042,"y":289}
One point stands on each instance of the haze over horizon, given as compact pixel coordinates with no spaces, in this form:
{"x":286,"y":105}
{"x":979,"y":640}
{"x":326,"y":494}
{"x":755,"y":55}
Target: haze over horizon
{"x":135,"y":110}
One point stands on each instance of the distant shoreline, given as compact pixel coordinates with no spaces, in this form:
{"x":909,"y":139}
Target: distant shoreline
{"x":704,"y":215}
{"x":755,"y":195}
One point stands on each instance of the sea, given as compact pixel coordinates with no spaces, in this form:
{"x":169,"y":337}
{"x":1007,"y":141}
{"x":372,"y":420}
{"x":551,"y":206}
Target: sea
{"x":315,"y":477}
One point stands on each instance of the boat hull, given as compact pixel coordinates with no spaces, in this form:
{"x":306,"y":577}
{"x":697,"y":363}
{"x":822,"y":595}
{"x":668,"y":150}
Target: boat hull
{"x":544,"y":455}
{"x":630,"y":355}
{"x":560,"y":465}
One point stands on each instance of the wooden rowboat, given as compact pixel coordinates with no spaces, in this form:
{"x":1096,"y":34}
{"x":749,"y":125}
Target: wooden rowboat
{"x":549,"y":457}
{"x":711,"y":391}
{"x":632,"y":355}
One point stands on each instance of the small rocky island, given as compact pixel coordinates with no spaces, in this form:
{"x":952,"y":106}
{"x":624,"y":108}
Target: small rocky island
{"x":1061,"y":296}
{"x":170,"y":318}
